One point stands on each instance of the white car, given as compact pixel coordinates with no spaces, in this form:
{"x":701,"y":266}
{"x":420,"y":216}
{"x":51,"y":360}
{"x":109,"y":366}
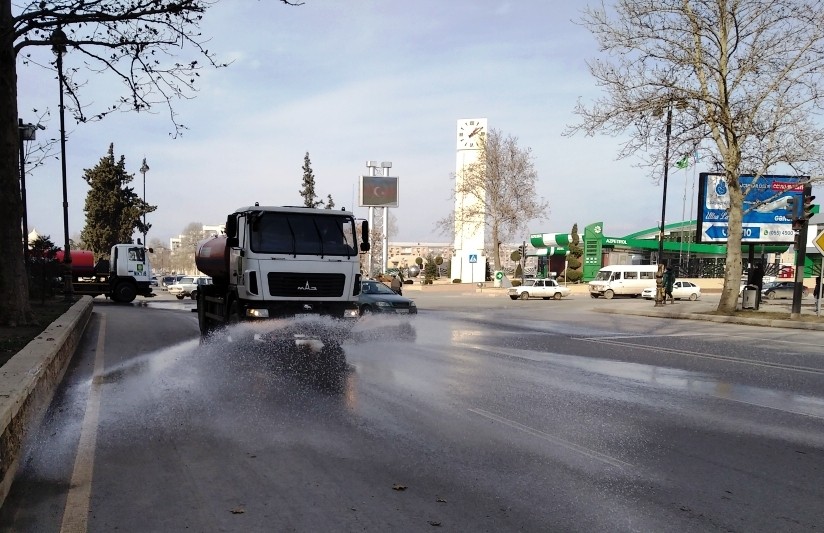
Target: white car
{"x":681,"y":290}
{"x":188,"y":285}
{"x":539,"y":288}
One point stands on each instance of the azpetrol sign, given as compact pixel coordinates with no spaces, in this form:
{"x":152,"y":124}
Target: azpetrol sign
{"x":765,"y":217}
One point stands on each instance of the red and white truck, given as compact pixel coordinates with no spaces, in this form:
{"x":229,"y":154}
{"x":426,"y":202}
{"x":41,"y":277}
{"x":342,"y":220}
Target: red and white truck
{"x":122,"y":277}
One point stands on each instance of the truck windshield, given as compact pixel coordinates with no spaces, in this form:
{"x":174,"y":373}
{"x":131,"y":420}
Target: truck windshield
{"x":303,"y":234}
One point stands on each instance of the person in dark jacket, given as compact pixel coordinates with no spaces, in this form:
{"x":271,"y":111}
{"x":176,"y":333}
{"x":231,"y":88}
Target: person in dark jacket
{"x":669,"y":281}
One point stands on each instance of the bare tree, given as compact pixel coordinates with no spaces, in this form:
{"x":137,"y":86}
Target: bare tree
{"x":502,"y":186}
{"x":183,"y":257}
{"x":136,"y":41}
{"x":740,"y":82}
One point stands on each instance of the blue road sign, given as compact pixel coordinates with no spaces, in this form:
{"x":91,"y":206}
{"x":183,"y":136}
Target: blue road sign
{"x":473,"y":258}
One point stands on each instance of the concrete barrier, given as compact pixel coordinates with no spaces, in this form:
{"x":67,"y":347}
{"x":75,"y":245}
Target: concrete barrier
{"x":28,"y":381}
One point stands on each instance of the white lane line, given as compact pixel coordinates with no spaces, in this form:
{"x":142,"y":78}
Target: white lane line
{"x":765,"y":406}
{"x":592,"y":454}
{"x":76,"y":513}
{"x":728,"y":358}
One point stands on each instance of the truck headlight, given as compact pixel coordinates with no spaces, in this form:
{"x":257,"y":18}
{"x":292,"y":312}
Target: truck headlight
{"x":351,"y":313}
{"x":257,"y":313}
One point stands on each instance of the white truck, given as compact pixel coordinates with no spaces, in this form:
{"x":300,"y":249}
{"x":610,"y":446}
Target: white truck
{"x":122,"y":277}
{"x":277,"y":262}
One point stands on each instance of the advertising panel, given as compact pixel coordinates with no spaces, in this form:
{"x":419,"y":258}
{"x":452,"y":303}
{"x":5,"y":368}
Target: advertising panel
{"x":378,"y":191}
{"x":765,"y":217}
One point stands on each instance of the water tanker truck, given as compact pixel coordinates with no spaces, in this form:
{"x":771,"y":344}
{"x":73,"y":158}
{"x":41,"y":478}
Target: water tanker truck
{"x":122,"y":277}
{"x":279,"y":262}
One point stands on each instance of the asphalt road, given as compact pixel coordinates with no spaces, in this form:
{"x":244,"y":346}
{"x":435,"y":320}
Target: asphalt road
{"x":497,"y":416}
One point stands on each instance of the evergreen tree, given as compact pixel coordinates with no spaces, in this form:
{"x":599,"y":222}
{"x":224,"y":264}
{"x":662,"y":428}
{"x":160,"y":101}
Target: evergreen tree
{"x":308,"y":191}
{"x":574,"y":272}
{"x":330,"y":204}
{"x":113,"y":210}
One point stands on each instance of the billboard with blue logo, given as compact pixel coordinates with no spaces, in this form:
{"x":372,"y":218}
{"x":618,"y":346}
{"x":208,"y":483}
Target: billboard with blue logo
{"x":765,"y":216}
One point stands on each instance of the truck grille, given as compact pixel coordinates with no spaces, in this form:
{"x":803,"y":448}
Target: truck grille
{"x":300,"y":285}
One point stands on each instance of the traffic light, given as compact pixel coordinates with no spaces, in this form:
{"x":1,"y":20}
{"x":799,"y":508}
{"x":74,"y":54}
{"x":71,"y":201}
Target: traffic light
{"x":807,"y":208}
{"x":790,"y":207}
{"x":522,"y":250}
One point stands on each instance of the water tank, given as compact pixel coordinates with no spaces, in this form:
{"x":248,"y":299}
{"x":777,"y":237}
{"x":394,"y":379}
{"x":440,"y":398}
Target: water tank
{"x":82,"y":262}
{"x":212,"y":257}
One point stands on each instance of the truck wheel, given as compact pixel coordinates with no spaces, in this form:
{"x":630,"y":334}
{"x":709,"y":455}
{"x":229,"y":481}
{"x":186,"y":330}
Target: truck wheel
{"x":513,"y":297}
{"x":557,"y":295}
{"x":179,"y":296}
{"x":608,"y":294}
{"x":207,"y":325}
{"x":124,"y":293}
{"x":593,"y":295}
{"x":194,"y":295}
{"x":524,"y":295}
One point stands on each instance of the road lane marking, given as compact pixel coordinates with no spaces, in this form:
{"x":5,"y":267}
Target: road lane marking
{"x":76,"y":512}
{"x":571,"y":446}
{"x":702,"y":355}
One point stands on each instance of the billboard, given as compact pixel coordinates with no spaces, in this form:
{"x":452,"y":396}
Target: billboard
{"x":378,"y":191}
{"x":765,"y":217}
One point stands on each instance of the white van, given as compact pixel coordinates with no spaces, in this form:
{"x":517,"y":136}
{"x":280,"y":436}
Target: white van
{"x":628,"y":280}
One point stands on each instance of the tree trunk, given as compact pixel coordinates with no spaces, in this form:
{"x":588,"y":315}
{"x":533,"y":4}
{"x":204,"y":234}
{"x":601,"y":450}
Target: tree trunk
{"x":732,"y":270}
{"x":14,"y":287}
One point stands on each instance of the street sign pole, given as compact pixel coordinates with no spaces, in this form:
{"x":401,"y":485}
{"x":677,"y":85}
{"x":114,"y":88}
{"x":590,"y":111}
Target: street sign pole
{"x":818,"y":242}
{"x":820,"y":279}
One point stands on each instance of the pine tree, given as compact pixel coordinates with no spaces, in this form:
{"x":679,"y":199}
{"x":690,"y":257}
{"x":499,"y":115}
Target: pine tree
{"x":330,"y":204}
{"x":113,"y":210}
{"x":308,"y":191}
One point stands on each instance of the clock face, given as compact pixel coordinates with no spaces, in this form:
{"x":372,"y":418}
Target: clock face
{"x":471,"y":133}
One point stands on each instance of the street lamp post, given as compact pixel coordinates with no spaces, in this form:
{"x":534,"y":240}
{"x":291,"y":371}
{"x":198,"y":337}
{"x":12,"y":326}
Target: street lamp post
{"x":659,"y":276}
{"x":144,"y":168}
{"x":26,"y":132}
{"x":59,"y":42}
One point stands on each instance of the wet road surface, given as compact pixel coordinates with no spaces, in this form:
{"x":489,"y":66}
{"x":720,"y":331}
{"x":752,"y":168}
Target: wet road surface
{"x":497,"y":416}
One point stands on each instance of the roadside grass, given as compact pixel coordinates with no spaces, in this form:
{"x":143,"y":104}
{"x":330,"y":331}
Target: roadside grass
{"x":14,"y":339}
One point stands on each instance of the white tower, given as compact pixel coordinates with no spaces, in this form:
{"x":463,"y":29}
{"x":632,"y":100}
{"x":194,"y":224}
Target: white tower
{"x":469,"y":261}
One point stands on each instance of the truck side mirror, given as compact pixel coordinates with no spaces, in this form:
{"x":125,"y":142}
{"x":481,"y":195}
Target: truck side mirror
{"x":364,"y":245}
{"x":232,"y":242}
{"x":151,"y":250}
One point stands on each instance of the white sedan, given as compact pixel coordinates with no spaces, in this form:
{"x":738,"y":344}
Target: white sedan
{"x":681,"y":290}
{"x":539,"y":288}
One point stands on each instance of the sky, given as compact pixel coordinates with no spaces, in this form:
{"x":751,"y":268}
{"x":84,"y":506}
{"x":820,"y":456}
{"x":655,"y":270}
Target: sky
{"x":352,"y":81}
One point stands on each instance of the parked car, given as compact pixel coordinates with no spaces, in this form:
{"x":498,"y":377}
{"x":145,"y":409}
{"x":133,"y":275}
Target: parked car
{"x":187,"y":286}
{"x":377,"y":297}
{"x":781,"y":289}
{"x":539,"y":288}
{"x":168,"y":281}
{"x":153,"y":282}
{"x":681,"y":290}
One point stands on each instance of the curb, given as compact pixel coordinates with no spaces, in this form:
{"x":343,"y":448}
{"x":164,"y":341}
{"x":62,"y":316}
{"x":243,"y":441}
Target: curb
{"x":28,"y":381}
{"x":766,"y":322}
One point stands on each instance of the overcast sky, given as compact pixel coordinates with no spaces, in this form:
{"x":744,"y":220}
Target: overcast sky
{"x":351,"y":81}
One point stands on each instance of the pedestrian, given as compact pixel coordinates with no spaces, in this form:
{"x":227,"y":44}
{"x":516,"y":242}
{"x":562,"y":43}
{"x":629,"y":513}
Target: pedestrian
{"x":395,"y":285}
{"x":669,"y":281}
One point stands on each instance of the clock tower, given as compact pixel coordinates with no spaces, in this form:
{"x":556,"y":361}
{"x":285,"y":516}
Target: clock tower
{"x":469,"y":260}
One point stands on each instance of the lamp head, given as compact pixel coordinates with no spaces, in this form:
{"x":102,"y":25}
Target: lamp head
{"x":59,"y":41}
